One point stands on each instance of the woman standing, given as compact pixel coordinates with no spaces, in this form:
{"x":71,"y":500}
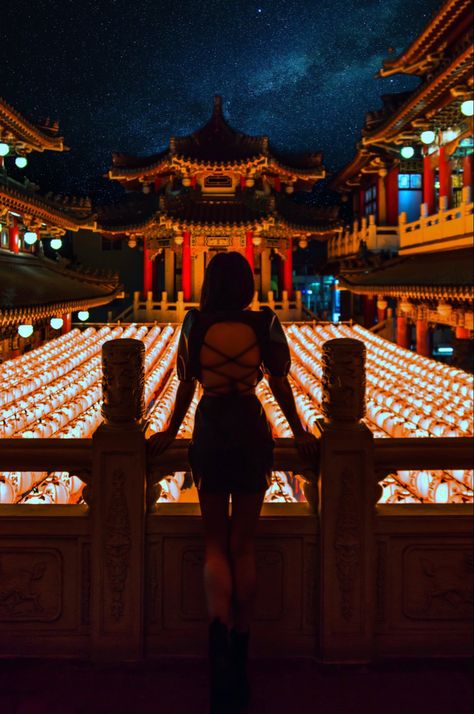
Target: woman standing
{"x":228,"y":348}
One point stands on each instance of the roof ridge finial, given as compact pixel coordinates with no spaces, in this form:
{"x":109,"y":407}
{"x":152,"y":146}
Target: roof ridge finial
{"x":217,"y":104}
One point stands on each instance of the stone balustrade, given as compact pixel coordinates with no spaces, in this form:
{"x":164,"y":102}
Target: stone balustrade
{"x":340,"y":578}
{"x":365,"y":234}
{"x":447,"y":229}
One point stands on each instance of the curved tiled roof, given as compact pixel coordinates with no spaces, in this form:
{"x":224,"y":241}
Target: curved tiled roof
{"x":423,"y":274}
{"x":33,"y":288}
{"x":37,"y":138}
{"x":216,"y":144}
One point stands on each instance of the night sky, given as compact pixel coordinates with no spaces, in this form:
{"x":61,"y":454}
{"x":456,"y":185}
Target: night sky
{"x":123,"y":75}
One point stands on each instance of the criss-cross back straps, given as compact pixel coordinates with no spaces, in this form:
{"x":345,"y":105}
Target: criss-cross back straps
{"x":243,"y":379}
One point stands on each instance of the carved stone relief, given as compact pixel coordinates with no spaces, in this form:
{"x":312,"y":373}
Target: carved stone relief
{"x":118,"y":543}
{"x":123,"y":381}
{"x":343,"y":382}
{"x":438,"y":583}
{"x":381,"y":581}
{"x":85,"y":584}
{"x":347,"y":541}
{"x":311,"y":590}
{"x":31,"y":584}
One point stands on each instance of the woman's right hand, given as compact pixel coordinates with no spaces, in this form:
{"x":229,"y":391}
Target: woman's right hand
{"x":308,"y":446}
{"x":160,"y":442}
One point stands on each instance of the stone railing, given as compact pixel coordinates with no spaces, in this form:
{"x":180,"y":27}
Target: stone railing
{"x":152,"y":310}
{"x":447,"y":229}
{"x":340,"y":578}
{"x":365,"y":235}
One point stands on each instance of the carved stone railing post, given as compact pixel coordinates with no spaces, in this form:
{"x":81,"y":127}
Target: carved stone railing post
{"x":347,"y":508}
{"x":117,"y":499}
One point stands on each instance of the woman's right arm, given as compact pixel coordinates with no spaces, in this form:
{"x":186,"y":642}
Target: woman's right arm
{"x":184,"y":395}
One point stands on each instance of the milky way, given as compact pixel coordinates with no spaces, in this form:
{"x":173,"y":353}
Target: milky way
{"x":125,"y":76}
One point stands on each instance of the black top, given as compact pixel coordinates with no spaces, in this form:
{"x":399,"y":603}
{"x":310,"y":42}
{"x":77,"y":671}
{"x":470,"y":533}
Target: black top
{"x":269,"y":336}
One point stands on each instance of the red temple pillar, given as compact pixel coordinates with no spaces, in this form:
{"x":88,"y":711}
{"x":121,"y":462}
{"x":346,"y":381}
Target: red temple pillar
{"x":423,"y":337}
{"x":369,"y":310}
{"x":67,"y":323}
{"x":147,"y":271}
{"x":381,"y":217}
{"x":444,"y":176}
{"x":392,"y":196}
{"x":277,"y":184}
{"x":467,"y":170}
{"x":462,"y":333}
{"x":249,"y":252}
{"x":402,"y":332}
{"x":13,"y":236}
{"x":429,"y":196}
{"x":288,"y":270}
{"x":186,"y":266}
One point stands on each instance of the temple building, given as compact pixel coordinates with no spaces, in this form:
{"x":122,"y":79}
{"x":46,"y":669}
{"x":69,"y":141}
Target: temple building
{"x":39,"y":294}
{"x":217,"y":189}
{"x":409,"y":190}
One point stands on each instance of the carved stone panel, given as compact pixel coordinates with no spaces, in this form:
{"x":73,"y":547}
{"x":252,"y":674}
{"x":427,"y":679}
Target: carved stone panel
{"x":123,"y":381}
{"x":347,"y":541}
{"x":31,"y":583}
{"x":437,"y":583}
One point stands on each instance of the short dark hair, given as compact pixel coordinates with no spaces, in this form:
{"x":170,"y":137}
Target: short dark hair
{"x":228,"y":283}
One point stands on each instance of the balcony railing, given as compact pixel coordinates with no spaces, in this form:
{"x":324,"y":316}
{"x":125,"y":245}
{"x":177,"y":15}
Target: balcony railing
{"x":447,"y":229}
{"x":364,"y":235}
{"x":164,"y":310}
{"x":341,"y":578}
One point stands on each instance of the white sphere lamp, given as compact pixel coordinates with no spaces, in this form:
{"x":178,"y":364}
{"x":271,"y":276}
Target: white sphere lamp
{"x":25,"y":330}
{"x":56,"y":323}
{"x":83,"y":315}
{"x":30,"y":237}
{"x":407,"y":152}
{"x":56,"y":243}
{"x":21,"y":162}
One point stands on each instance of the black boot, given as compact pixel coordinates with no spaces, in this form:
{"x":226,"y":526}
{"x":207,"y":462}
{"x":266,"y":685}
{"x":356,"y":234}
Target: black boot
{"x":239,"y":647}
{"x":220,"y":669}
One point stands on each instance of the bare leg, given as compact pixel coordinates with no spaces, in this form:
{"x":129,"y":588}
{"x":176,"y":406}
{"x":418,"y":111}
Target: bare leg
{"x":245,"y":513}
{"x":217,"y":568}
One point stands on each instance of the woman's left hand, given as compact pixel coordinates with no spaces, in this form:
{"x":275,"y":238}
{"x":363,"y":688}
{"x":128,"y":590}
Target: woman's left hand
{"x":308,"y":446}
{"x":160,"y":442}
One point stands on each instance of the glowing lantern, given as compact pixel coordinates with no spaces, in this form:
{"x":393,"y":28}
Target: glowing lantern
{"x":25,"y":330}
{"x":56,"y":323}
{"x":56,"y":243}
{"x":30,"y":237}
{"x":407,"y":152}
{"x":21,"y":162}
{"x":186,"y":181}
{"x":303,"y":243}
{"x":4,"y":149}
{"x":83,"y":315}
{"x":467,"y":108}
{"x":428,"y":136}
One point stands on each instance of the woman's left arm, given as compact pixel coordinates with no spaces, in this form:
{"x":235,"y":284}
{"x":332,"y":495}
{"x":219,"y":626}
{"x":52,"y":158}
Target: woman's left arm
{"x":184,"y":395}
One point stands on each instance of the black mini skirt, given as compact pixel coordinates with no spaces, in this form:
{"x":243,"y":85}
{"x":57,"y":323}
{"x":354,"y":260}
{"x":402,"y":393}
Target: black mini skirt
{"x":232,"y":445}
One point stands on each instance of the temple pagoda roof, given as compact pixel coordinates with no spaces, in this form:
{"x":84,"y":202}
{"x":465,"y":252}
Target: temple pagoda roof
{"x":63,"y":212}
{"x":26,"y":135}
{"x":427,"y":48}
{"x":445,"y":274}
{"x":140,"y":212}
{"x":217,"y":145}
{"x":33,"y":288}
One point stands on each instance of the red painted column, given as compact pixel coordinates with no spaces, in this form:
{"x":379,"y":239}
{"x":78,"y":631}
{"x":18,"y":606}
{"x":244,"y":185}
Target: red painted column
{"x":67,"y":323}
{"x":369,"y":310}
{"x":277,"y":184}
{"x":392,"y":196}
{"x":444,"y":175}
{"x":13,"y":235}
{"x":462,"y":333}
{"x":249,"y":252}
{"x":288,"y":270}
{"x":147,"y":271}
{"x":429,"y":196}
{"x":186,"y":266}
{"x":467,"y":170}
{"x":402,"y":332}
{"x":423,"y":338}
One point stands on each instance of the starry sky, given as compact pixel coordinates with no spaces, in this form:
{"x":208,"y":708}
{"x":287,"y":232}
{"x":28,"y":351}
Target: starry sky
{"x":122,"y":75}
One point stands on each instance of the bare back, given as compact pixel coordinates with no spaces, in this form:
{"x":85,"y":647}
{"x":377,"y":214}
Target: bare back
{"x":230,"y":358}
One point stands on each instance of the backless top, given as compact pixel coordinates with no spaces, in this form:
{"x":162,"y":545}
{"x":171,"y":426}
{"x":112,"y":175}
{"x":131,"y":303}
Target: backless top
{"x":228,"y":352}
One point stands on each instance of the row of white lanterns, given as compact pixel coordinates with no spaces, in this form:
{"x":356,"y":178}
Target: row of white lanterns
{"x":25,"y":330}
